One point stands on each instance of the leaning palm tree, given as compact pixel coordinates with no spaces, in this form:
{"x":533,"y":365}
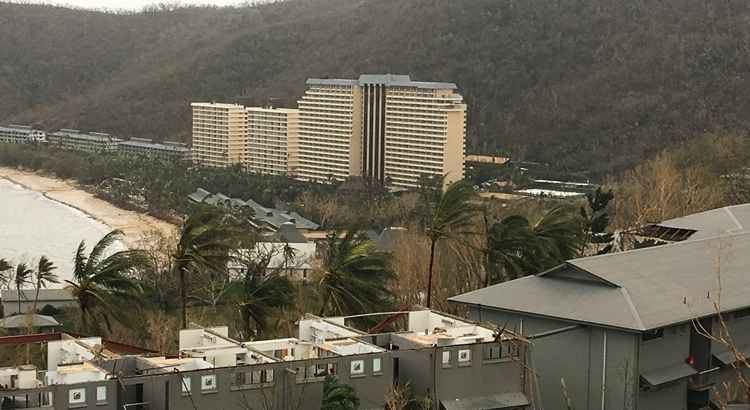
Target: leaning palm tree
{"x":99,"y":281}
{"x":511,"y":247}
{"x":338,"y":396}
{"x":355,"y":276}
{"x":451,"y":216}
{"x":44,"y":275}
{"x":262,"y":294}
{"x":206,"y":239}
{"x":562,"y":233}
{"x":21,"y":278}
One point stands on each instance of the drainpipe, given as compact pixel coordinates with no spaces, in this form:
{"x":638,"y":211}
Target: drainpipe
{"x":604,"y":369}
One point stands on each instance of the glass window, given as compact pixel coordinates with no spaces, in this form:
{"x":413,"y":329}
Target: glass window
{"x":357,"y":367}
{"x":101,"y":393}
{"x":493,"y":351}
{"x":376,"y":365}
{"x":76,"y":396}
{"x":464,"y":356}
{"x":446,"y":357}
{"x":186,"y":384}
{"x":208,"y":382}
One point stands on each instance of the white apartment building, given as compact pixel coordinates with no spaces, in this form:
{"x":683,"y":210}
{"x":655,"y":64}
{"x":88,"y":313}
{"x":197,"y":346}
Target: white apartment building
{"x":384,"y":127}
{"x":219,"y":133}
{"x":21,"y":134}
{"x":272,"y":140}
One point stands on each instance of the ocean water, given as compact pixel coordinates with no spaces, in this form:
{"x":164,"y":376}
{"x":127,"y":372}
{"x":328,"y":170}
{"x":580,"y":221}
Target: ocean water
{"x":32,"y":225}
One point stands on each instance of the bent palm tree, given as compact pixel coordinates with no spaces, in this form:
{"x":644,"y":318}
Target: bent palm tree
{"x":44,"y":276}
{"x":22,"y":275}
{"x":562,"y":235}
{"x":338,"y":396}
{"x":206,"y":239}
{"x":451,"y":217}
{"x":98,"y":281}
{"x":355,"y":276}
{"x":5,"y":266}
{"x":512,"y":247}
{"x":260,"y":295}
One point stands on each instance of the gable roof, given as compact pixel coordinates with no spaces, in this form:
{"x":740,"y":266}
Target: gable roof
{"x":636,"y":290}
{"x":730,"y":219}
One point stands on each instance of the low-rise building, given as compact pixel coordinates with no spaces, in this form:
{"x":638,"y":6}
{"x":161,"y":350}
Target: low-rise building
{"x":638,"y":329}
{"x":146,"y":147}
{"x":84,"y":141}
{"x":56,"y":298}
{"x":455,"y":364}
{"x":21,"y":134}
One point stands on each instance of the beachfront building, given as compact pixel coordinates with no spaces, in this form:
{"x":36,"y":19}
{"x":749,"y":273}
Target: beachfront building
{"x":219,"y":133}
{"x":67,"y":138}
{"x":453,"y":363}
{"x":271,"y":140}
{"x":21,"y":134}
{"x":387,"y":128}
{"x":146,"y":147}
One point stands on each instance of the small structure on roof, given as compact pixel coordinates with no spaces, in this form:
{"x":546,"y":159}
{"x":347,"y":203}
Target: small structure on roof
{"x":24,"y":321}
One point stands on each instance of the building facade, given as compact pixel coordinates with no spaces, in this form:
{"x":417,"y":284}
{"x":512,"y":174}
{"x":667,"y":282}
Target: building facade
{"x":219,"y":134}
{"x":272,"y":140}
{"x":453,"y":363}
{"x":146,"y":147}
{"x":84,"y":141}
{"x":21,"y":134}
{"x":387,"y":128}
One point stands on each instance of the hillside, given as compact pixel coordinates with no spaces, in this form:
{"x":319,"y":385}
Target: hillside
{"x":586,"y":85}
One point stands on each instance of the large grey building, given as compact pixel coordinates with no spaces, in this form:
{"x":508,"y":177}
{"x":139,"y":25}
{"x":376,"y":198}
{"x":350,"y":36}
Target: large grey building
{"x":148,"y":148}
{"x":84,"y":141}
{"x":21,"y":134}
{"x":626,"y":330}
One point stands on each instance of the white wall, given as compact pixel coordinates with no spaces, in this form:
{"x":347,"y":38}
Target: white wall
{"x":68,"y":351}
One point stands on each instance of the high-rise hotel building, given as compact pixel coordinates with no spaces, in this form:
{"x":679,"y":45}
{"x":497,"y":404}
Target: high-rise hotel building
{"x":271,"y":140}
{"x":385,"y":127}
{"x":219,"y":133}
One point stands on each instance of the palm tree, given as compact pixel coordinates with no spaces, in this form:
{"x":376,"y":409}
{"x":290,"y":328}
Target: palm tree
{"x":206,"y":239}
{"x":355,"y":276}
{"x":99,"y":281}
{"x":517,"y":247}
{"x":511,"y":247}
{"x":44,"y":276}
{"x":21,"y":278}
{"x":260,"y":295}
{"x":450,"y":217}
{"x":337,"y":396}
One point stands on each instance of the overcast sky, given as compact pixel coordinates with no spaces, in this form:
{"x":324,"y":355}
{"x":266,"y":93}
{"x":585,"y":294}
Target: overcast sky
{"x":132,"y":5}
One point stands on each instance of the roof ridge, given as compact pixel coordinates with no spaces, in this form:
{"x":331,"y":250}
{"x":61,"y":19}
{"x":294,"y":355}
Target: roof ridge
{"x":733,"y":218}
{"x":633,"y":310}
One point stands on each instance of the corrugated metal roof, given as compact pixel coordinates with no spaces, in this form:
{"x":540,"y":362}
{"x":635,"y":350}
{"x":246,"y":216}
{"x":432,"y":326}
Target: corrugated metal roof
{"x":635,"y":290}
{"x":21,"y":321}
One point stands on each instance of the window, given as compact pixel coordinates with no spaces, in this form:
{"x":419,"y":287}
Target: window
{"x":653,"y":334}
{"x":446,"y":358}
{"x":77,"y":396}
{"x":101,"y":394}
{"x":186,"y":384}
{"x":357,"y":367}
{"x":376,"y":365}
{"x":208,"y":382}
{"x":464,"y":356}
{"x":493,"y":351}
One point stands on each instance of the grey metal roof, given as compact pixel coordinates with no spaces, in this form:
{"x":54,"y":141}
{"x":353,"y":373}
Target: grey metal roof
{"x":199,"y":195}
{"x":91,"y":136}
{"x":155,"y":145}
{"x":730,"y":219}
{"x":668,"y":374}
{"x":288,"y":233}
{"x":728,"y":357}
{"x":21,"y":321}
{"x":635,"y":290}
{"x":495,"y":401}
{"x":45,"y":295}
{"x":331,"y":81}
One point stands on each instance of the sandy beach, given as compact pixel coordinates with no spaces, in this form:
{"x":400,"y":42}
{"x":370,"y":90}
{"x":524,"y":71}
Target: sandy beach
{"x":135,"y":226}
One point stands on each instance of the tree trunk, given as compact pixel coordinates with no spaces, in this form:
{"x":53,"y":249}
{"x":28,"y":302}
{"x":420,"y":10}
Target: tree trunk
{"x":183,"y":297}
{"x":429,"y":275}
{"x":18,"y":293}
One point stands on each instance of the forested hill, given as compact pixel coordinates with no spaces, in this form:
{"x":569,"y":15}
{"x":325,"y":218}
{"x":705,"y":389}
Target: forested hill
{"x":583,"y":84}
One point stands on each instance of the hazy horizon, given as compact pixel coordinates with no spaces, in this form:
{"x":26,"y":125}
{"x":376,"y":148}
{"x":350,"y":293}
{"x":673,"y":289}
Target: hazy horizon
{"x":131,"y":5}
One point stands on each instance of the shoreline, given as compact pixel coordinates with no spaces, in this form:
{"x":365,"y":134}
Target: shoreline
{"x":134,"y":225}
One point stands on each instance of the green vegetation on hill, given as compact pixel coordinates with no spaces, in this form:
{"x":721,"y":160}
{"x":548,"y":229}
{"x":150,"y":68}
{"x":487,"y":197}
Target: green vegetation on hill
{"x":593,"y":85}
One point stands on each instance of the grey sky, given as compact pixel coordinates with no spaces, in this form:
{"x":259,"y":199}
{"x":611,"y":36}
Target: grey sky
{"x":132,"y":5}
